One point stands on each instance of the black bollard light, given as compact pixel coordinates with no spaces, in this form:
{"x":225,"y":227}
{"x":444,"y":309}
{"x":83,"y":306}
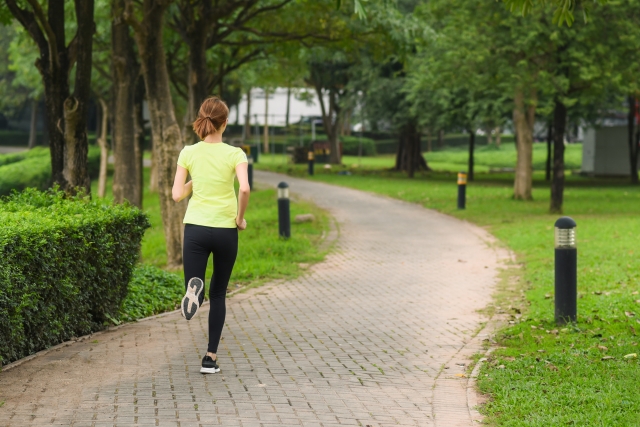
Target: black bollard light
{"x":250,"y":172}
{"x":462,"y":190}
{"x":566,"y":275}
{"x":284,"y":216}
{"x":311,"y":162}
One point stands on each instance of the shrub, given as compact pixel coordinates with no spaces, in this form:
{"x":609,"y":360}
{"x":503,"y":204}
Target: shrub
{"x":32,"y":169}
{"x":65,"y":264}
{"x":350,"y":144}
{"x":151,"y":291}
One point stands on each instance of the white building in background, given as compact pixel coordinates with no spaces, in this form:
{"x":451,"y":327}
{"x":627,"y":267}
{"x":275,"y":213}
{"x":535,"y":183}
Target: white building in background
{"x":304,"y":103}
{"x":605,"y":151}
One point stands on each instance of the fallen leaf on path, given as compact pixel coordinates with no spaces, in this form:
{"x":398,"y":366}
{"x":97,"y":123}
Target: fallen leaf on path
{"x":547,"y":296}
{"x":552,"y":367}
{"x":603,"y":348}
{"x":631,"y":356}
{"x":541,"y":351}
{"x":501,"y":367}
{"x":607,"y":358}
{"x":461,"y":375}
{"x":629,"y":313}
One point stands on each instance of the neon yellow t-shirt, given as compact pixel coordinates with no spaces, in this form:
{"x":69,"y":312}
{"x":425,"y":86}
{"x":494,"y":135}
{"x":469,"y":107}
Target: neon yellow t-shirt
{"x":212,"y":168}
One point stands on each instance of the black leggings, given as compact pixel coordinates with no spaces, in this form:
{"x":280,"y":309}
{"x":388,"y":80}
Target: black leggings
{"x":199,"y":243}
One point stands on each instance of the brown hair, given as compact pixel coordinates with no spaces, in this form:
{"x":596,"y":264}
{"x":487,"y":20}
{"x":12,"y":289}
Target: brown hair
{"x":212,"y":115}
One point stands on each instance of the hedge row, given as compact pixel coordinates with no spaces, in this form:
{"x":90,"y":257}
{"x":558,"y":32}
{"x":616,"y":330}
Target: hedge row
{"x":32,"y":169}
{"x":350,"y":144}
{"x":65,"y":264}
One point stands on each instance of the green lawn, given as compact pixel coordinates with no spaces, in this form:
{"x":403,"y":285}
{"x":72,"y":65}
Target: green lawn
{"x":540,"y":374}
{"x":262,"y":255}
{"x":455,"y":159}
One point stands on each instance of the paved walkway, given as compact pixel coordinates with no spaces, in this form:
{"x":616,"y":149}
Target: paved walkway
{"x":374,"y":336}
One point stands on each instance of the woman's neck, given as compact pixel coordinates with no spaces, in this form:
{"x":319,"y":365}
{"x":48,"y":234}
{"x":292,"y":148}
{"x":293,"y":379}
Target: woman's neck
{"x":213,"y":138}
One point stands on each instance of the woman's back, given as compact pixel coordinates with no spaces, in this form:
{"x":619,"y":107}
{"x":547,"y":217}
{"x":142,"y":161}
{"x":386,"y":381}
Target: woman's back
{"x":212,"y":167}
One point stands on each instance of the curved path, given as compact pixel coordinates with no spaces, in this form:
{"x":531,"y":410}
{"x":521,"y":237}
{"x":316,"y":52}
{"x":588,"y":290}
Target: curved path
{"x":376,"y":335}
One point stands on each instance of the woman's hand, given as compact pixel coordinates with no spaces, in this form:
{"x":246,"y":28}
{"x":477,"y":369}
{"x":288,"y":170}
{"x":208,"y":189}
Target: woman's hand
{"x":241,"y":223}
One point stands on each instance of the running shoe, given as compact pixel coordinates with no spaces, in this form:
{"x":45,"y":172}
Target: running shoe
{"x":191,"y":301}
{"x":209,"y":366}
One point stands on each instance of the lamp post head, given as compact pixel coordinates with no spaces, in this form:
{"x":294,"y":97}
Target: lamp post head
{"x":283,"y":190}
{"x":565,"y":233}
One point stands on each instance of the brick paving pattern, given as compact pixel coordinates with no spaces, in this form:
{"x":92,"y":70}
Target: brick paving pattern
{"x":376,"y":335}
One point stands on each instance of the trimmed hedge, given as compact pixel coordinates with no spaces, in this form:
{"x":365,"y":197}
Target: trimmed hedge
{"x":32,"y":169}
{"x":65,"y":265}
{"x":350,"y":144}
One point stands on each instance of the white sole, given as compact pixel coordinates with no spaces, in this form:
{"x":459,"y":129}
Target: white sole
{"x":191,"y":301}
{"x":209,"y":370}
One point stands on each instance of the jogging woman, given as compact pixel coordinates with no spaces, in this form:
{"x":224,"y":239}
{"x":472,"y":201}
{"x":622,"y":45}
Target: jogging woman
{"x":213,"y":217}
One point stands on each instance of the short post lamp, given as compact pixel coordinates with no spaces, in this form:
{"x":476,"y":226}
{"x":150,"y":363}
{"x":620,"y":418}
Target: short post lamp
{"x":284,"y":215}
{"x":250,"y":172}
{"x":310,"y":158}
{"x":462,"y":190}
{"x":566,"y":274}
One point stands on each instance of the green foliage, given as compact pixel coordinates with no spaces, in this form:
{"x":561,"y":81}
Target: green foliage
{"x":32,"y":169}
{"x":350,"y":144}
{"x":65,"y":264}
{"x":151,"y":291}
{"x":564,"y":9}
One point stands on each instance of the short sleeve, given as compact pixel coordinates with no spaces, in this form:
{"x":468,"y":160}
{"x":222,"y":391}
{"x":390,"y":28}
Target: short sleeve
{"x":240,"y":157}
{"x":183,"y":159}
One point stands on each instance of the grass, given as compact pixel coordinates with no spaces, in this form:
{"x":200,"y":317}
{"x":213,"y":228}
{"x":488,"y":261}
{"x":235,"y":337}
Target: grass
{"x":262,"y":254}
{"x":487,"y":158}
{"x":541,"y":374}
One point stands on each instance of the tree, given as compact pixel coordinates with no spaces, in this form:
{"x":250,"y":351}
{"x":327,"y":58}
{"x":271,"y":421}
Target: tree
{"x":66,"y":110}
{"x":329,"y":78}
{"x":147,"y":21}
{"x":127,"y":144}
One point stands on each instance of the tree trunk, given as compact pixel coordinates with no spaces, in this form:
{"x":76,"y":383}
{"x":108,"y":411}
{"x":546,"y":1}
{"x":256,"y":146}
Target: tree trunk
{"x":331,"y":124}
{"x":523,"y":118}
{"x":489,"y":136}
{"x":265,"y":128}
{"x":33,"y":130}
{"x":247,"y":118}
{"x":76,"y":171}
{"x":126,"y":176}
{"x":549,"y":144}
{"x":104,"y":148}
{"x":198,"y":83}
{"x":557,"y":182}
{"x":138,"y":125}
{"x":409,"y":155}
{"x":472,"y":149}
{"x":167,"y":138}
{"x":286,"y":119}
{"x":633,"y":141}
{"x":441,"y":138}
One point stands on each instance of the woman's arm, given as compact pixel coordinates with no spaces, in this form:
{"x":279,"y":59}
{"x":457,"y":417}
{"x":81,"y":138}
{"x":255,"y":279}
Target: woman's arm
{"x":181,"y":190}
{"x":243,"y":194}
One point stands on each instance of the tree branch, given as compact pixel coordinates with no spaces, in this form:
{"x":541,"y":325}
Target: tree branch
{"x":39,"y":14}
{"x":28,"y":21}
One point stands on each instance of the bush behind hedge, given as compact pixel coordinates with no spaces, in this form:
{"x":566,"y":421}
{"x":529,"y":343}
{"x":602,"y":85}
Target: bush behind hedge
{"x":32,"y":169}
{"x":65,"y":264}
{"x":350,"y":144}
{"x":151,"y":291}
